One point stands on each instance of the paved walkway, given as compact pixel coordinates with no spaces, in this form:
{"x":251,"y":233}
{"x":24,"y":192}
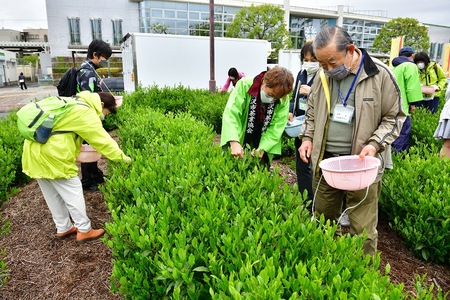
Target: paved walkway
{"x":13,"y":97}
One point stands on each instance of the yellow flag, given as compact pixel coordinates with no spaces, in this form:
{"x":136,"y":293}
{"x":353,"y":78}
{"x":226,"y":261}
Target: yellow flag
{"x":396,"y":45}
{"x":446,"y":60}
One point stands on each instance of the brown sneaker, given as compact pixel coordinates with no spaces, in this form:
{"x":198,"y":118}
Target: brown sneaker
{"x":66,"y":234}
{"x":83,"y":237}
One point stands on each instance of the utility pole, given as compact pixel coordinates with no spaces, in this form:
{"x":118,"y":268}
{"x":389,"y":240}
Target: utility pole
{"x":212,"y":81}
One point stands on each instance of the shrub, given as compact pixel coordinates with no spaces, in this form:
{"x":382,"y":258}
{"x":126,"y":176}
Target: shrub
{"x":201,"y":104}
{"x":415,"y":198}
{"x":190,"y":221}
{"x":11,"y":143}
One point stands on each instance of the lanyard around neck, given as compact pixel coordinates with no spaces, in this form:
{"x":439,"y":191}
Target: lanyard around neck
{"x":344,"y":100}
{"x":326,"y":90}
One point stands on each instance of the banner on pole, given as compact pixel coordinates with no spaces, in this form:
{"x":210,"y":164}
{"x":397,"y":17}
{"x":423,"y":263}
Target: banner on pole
{"x":446,"y":60}
{"x":396,"y":45}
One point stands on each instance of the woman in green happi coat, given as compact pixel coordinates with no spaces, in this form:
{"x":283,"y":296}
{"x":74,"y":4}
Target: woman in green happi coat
{"x":256,"y":114}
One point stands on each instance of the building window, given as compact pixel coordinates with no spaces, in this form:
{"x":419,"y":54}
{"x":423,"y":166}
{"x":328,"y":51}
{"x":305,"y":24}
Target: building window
{"x":96,"y":28}
{"x":117,"y":31}
{"x":184,"y":18}
{"x":74,"y":31}
{"x":302,"y":29}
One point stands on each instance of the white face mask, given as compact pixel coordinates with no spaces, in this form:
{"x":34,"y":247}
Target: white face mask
{"x":265,"y":98}
{"x":421,"y":65}
{"x":102,"y":116}
{"x":310,"y":67}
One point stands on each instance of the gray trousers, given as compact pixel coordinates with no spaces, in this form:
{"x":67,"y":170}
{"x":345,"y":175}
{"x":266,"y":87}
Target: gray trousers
{"x":65,"y":200}
{"x":329,"y":202}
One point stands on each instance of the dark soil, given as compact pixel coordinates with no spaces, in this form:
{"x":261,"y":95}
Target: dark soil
{"x":43,"y":267}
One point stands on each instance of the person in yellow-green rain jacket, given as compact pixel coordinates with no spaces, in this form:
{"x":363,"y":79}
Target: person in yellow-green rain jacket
{"x":256,"y":114}
{"x":53,"y":164}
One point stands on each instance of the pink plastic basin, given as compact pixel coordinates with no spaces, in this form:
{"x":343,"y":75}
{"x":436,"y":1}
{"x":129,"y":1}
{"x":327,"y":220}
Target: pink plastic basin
{"x":349,"y":172}
{"x":429,"y":90}
{"x":88,"y":154}
{"x":119,"y":100}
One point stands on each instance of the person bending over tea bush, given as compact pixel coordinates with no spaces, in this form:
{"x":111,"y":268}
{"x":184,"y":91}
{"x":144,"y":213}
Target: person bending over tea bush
{"x":256,"y":114}
{"x":53,"y":164}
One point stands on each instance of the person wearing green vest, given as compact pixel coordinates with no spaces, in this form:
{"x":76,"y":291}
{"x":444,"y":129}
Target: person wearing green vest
{"x":53,"y":164}
{"x":256,"y":114}
{"x":406,"y":73}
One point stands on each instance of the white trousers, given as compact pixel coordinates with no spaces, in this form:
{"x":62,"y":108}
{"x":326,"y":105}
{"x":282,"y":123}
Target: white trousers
{"x":65,"y":200}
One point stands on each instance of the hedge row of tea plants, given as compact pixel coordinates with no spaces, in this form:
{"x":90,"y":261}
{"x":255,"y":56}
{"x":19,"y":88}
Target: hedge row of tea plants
{"x":415,"y":194}
{"x":10,"y":175}
{"x":190,"y":221}
{"x":180,"y":143}
{"x":11,"y":143}
{"x":200,"y":103}
{"x":4,"y":272}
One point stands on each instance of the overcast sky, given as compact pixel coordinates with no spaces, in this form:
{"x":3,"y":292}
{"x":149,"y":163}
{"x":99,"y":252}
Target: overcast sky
{"x":22,"y":14}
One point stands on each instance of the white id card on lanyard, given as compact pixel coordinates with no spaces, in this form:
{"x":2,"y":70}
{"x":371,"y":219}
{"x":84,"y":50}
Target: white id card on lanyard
{"x":343,"y":114}
{"x":302,"y":104}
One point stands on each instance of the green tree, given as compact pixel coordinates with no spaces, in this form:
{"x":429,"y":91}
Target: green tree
{"x":27,"y":59}
{"x":200,"y":29}
{"x":262,"y":22}
{"x":33,"y":59}
{"x":415,"y":35}
{"x":159,"y":28}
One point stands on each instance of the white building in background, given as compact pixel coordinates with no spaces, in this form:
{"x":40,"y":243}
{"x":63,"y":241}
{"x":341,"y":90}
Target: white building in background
{"x":74,"y":24}
{"x":8,"y":67}
{"x":10,"y":35}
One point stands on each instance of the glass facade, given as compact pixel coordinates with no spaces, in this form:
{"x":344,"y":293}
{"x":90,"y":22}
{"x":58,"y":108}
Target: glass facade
{"x":183,"y":18}
{"x":74,"y":31}
{"x":436,"y":51}
{"x":302,"y":29}
{"x":96,"y":29}
{"x":117,"y":31}
{"x":362,"y":32}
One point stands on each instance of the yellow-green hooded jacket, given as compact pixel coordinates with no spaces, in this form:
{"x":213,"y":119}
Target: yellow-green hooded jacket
{"x":56,"y":158}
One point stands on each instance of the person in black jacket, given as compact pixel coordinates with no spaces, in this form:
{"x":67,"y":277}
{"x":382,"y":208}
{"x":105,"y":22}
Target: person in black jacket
{"x":88,"y":80}
{"x":303,"y":83}
{"x":22,"y":81}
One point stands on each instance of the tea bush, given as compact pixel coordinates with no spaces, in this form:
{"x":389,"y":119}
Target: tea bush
{"x":423,"y":125}
{"x":11,"y":143}
{"x":190,"y":221}
{"x":415,"y":193}
{"x":200,"y":103}
{"x":415,"y":198}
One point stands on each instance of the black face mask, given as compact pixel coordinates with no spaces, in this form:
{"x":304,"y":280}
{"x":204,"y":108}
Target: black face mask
{"x":340,"y":72}
{"x":103,"y":63}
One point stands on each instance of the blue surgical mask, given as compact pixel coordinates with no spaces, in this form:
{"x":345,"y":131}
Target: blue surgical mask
{"x":340,"y":72}
{"x":266,"y":99}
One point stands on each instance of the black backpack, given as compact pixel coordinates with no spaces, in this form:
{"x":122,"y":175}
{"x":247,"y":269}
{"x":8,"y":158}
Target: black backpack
{"x":67,"y":86}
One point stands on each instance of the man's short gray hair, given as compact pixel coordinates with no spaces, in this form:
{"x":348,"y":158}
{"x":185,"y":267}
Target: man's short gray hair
{"x":330,"y":34}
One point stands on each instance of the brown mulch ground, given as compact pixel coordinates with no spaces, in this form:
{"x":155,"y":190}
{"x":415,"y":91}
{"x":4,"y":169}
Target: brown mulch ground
{"x":43,"y":267}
